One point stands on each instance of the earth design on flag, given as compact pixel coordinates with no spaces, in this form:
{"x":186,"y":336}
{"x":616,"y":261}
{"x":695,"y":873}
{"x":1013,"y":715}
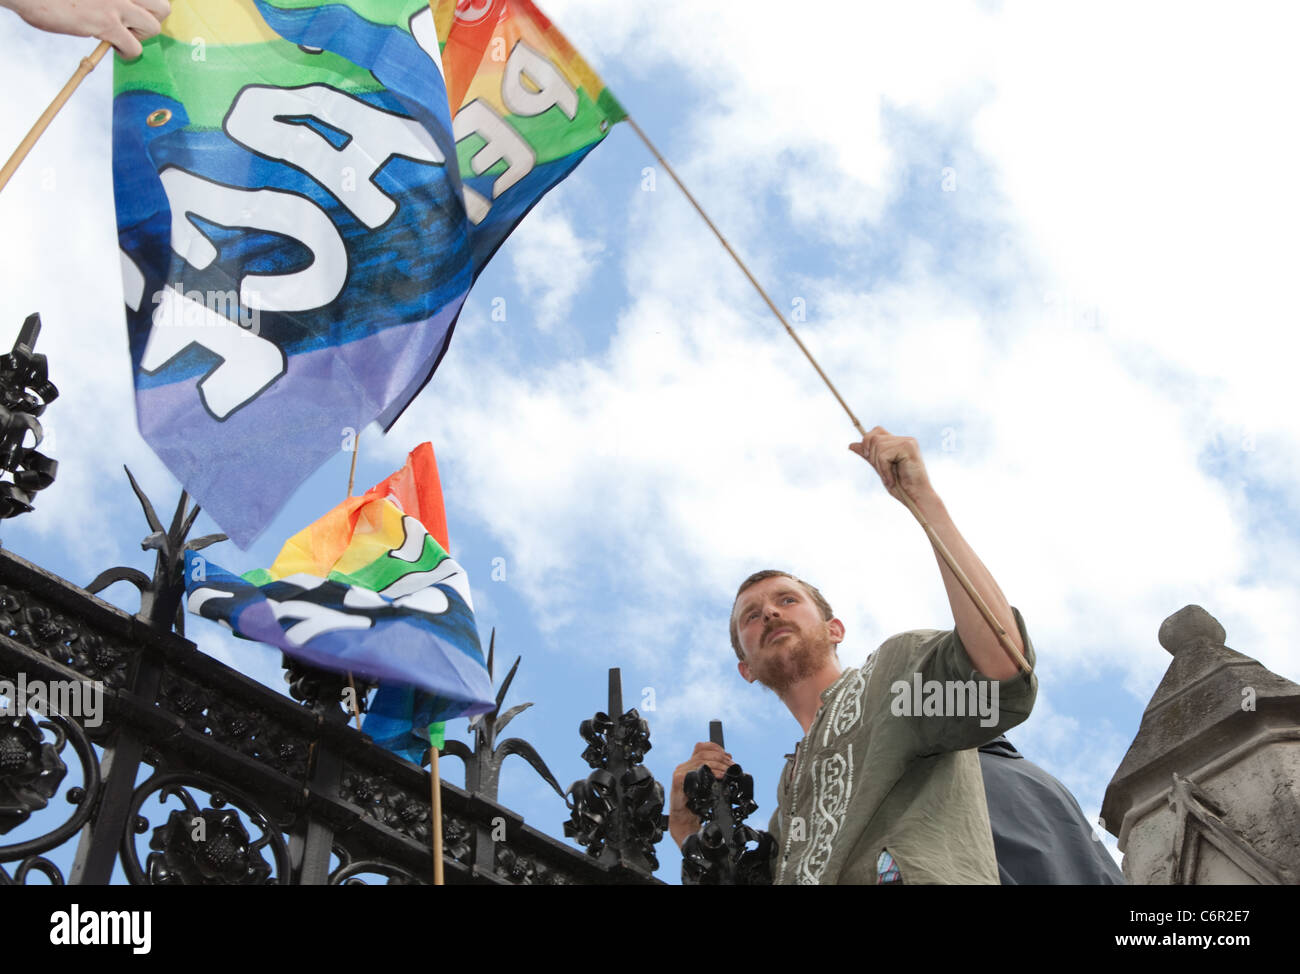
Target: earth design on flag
{"x":472,"y":11}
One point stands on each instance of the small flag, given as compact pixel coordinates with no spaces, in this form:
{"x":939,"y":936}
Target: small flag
{"x":370,"y":589}
{"x":526,"y":109}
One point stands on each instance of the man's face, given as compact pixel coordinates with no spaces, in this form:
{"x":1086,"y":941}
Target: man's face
{"x":782,"y":633}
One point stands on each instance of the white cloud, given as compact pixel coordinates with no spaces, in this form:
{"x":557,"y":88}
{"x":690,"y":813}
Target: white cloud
{"x":61,"y":259}
{"x":1118,"y":422}
{"x":551,"y":263}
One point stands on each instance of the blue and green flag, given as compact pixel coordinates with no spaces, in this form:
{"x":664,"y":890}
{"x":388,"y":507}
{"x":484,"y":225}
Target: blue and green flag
{"x":369,"y":589}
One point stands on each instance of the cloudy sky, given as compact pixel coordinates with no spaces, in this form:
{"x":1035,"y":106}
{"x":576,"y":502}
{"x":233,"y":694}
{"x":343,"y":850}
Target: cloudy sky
{"x":1052,"y":242}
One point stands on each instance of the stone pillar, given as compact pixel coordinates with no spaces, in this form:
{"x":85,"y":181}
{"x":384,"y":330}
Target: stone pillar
{"x":1209,"y":791}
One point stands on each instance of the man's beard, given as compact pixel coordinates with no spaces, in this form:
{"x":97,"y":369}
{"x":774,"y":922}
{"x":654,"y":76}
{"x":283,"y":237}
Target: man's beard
{"x":780,"y":672}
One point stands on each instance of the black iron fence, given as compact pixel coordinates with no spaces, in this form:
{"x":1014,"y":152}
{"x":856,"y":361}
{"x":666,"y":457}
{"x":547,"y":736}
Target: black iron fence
{"x":270,"y":790}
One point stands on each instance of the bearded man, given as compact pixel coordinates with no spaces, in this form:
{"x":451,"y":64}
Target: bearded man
{"x":885,"y":785}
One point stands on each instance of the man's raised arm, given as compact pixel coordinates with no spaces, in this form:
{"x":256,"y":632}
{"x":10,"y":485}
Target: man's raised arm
{"x":897,"y":459}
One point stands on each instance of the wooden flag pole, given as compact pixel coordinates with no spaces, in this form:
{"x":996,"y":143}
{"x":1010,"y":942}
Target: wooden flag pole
{"x":352,"y":473}
{"x":998,"y":630}
{"x":356,"y":706}
{"x":435,"y":810}
{"x":25,"y":146}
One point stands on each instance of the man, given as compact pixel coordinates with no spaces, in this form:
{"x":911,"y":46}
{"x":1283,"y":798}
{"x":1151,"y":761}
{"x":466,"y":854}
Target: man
{"x":123,"y":23}
{"x":1039,"y":831}
{"x":876,"y":792}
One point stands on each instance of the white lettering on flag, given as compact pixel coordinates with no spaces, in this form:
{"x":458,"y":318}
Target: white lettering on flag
{"x":316,"y":619}
{"x":296,"y":217}
{"x":257,"y":120}
{"x":476,"y":204}
{"x":425,"y":32}
{"x":501,"y":141}
{"x":132,"y":282}
{"x":249,"y":362}
{"x":548,"y":86}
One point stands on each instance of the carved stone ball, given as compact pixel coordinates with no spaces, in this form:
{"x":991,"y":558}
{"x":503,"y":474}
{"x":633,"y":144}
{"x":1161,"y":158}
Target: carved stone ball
{"x":1190,"y":626}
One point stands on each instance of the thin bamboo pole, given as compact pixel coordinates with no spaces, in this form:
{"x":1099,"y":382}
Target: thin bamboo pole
{"x":962,"y":578}
{"x":436,"y":811}
{"x":352,"y":473}
{"x":25,"y":146}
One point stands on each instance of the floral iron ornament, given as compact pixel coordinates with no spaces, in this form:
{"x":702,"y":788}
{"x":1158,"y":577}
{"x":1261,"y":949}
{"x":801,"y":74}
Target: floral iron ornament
{"x":25,"y":391}
{"x":618,"y":810}
{"x":719,"y":854}
{"x":30,"y":771}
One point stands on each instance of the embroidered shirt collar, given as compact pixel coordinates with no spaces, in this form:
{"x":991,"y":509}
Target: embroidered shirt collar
{"x":830,"y":690}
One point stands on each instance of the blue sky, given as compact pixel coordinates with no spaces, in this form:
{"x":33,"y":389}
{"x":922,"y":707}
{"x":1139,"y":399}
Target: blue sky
{"x":1055,"y":250}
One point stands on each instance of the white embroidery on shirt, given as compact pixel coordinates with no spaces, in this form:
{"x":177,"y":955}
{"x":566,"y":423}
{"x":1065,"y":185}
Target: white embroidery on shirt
{"x":831,"y":778}
{"x":832,"y":789}
{"x":847,"y":709}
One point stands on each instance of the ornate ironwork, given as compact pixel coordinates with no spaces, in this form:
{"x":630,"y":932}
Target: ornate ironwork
{"x":256,"y":788}
{"x":525,"y":870}
{"x":208,"y":845}
{"x":25,"y":391}
{"x":483,"y":764}
{"x":397,"y":808}
{"x":323,"y":690}
{"x":720,"y":854}
{"x":29,"y":865}
{"x":31,"y":771}
{"x":617,"y":811}
{"x":161,"y":602}
{"x":350,"y":871}
{"x":27,"y":619}
{"x":275,"y":784}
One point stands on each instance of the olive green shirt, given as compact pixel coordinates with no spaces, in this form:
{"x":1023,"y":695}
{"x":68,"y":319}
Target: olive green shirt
{"x":873,"y":775}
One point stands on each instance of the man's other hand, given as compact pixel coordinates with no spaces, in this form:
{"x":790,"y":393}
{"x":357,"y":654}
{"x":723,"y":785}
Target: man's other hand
{"x":123,"y":23}
{"x":897,"y":459}
{"x":682,"y":822}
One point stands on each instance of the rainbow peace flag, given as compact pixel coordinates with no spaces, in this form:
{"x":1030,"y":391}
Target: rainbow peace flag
{"x":294,"y":244}
{"x":526,"y":109}
{"x":306,"y":191}
{"x":368,"y":588}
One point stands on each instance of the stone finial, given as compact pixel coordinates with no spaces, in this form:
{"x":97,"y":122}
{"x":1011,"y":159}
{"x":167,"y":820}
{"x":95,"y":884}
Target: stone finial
{"x":1190,"y":626}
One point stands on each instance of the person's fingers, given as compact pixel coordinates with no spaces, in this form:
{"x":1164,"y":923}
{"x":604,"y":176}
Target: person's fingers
{"x":707,"y":749}
{"x":142,"y":24}
{"x":127,"y":44}
{"x":158,"y":8}
{"x":706,"y":752}
{"x":879,"y":461}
